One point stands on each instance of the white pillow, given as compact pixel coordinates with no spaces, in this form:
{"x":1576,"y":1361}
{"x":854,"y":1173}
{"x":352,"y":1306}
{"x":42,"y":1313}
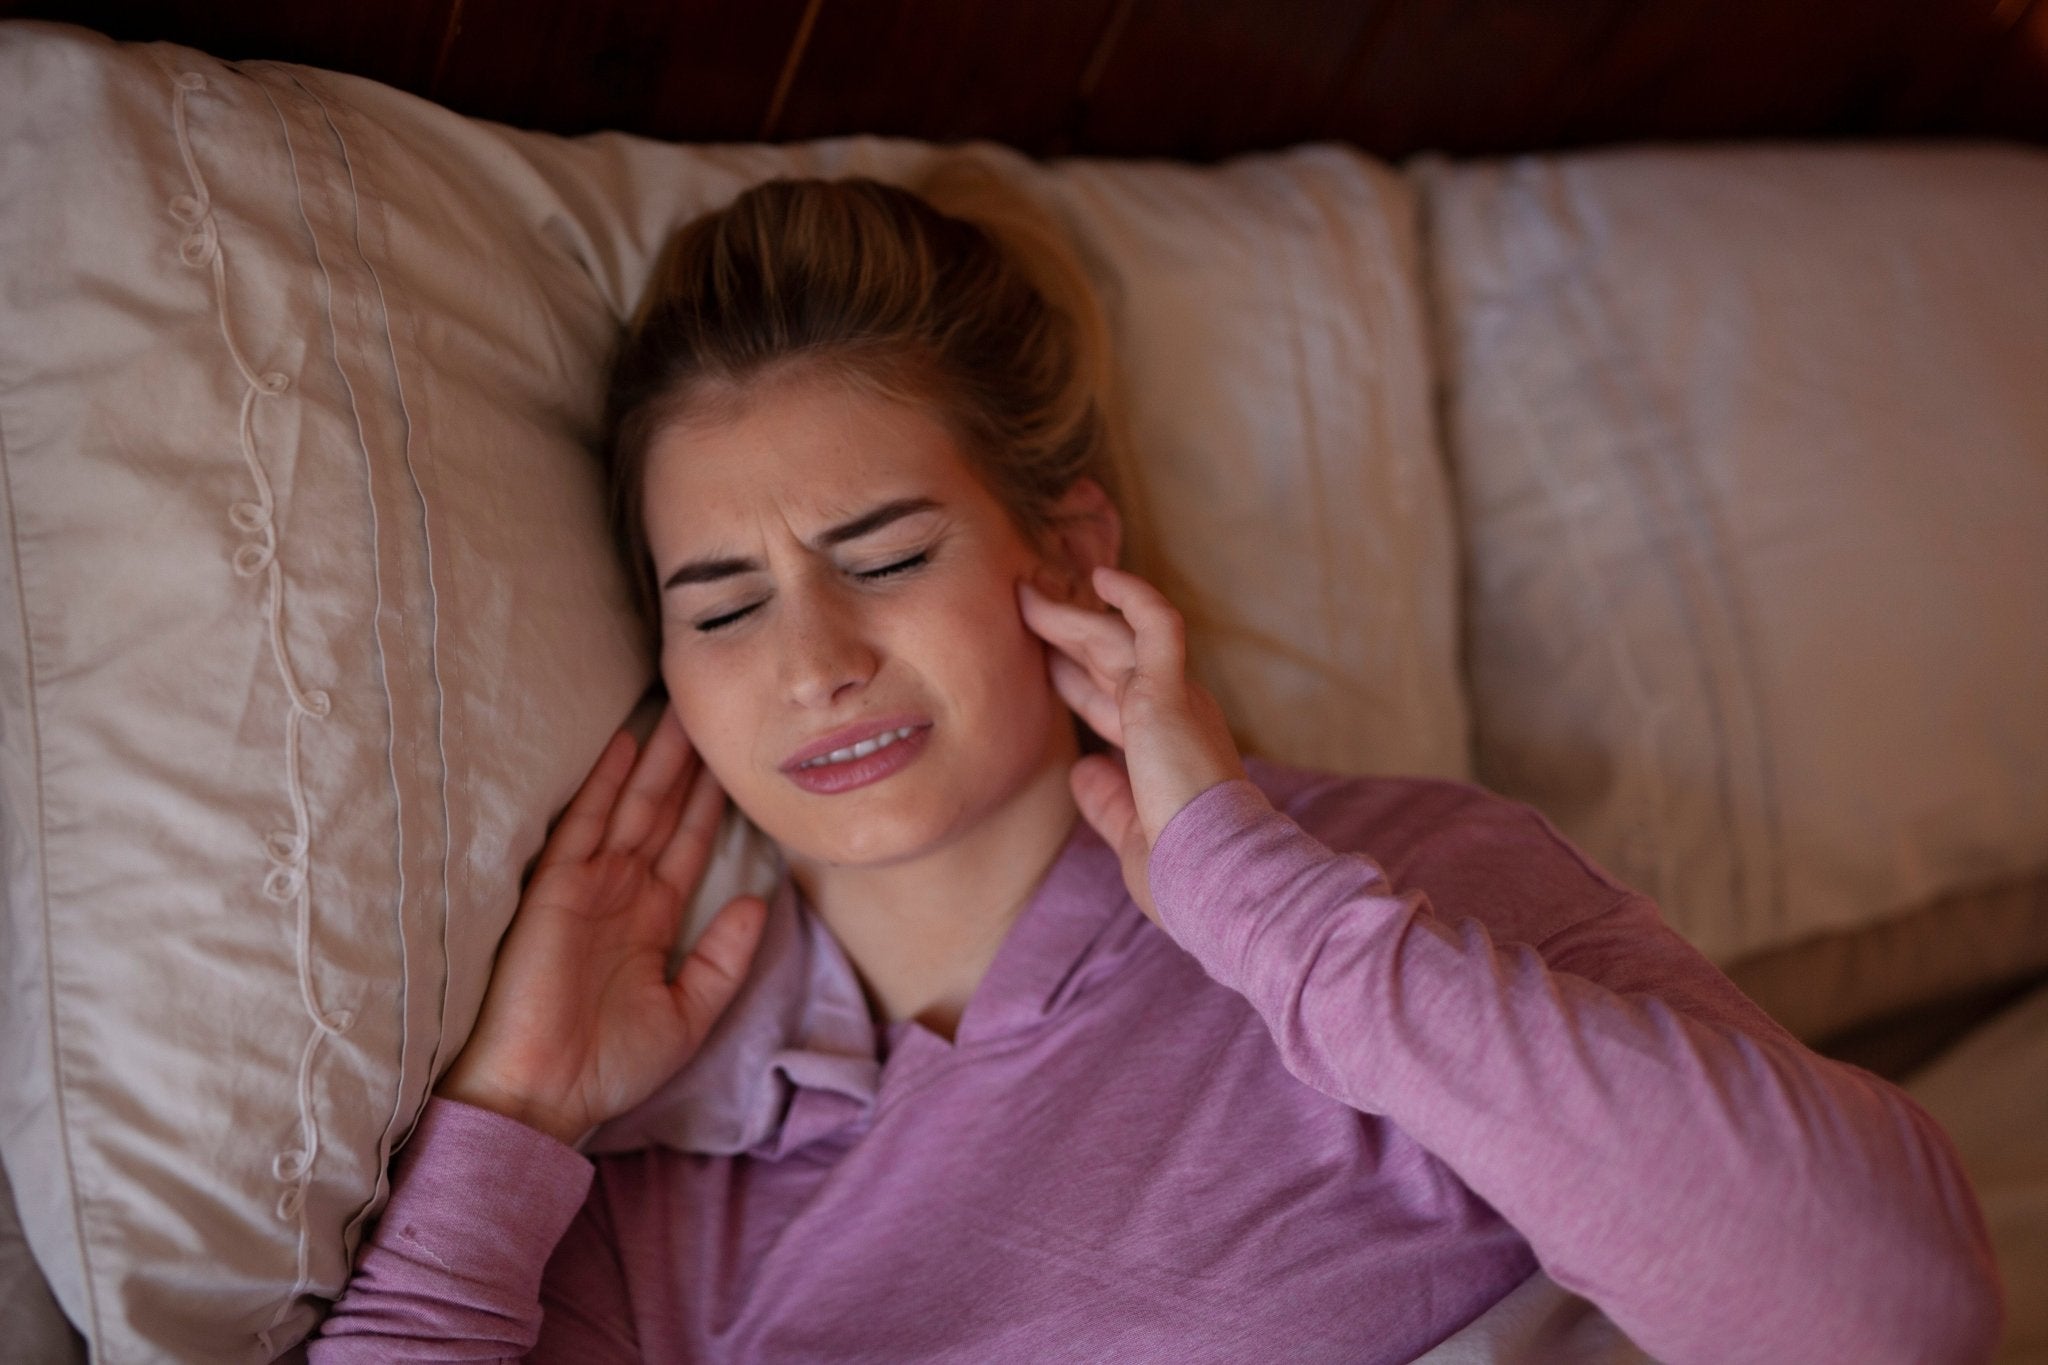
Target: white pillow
{"x":1275,"y":335}
{"x":269,"y":779}
{"x":1752,"y":449}
{"x":310,"y":623}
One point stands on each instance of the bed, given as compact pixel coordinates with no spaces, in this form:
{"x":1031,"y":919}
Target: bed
{"x":1515,"y":426}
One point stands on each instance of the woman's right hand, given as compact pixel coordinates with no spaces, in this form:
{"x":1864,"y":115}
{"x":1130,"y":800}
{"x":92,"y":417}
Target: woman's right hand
{"x":581,"y":1022}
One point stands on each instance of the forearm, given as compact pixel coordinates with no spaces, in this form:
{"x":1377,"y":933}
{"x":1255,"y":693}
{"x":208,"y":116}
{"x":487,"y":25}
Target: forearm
{"x":1724,"y":1194}
{"x":454,"y":1267}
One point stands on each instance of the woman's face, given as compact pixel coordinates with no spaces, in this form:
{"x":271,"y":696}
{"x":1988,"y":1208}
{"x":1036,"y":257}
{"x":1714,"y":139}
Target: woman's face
{"x":832,"y":572}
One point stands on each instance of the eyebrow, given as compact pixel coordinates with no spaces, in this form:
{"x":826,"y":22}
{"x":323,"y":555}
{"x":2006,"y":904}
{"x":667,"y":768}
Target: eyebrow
{"x":867,"y":523}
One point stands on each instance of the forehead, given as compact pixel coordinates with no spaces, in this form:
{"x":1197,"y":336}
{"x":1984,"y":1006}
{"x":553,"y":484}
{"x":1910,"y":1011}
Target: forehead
{"x":806,"y":450}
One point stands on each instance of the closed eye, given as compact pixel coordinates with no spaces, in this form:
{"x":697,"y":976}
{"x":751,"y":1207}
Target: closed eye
{"x":900,"y":566}
{"x":867,"y":576}
{"x":718,"y":623}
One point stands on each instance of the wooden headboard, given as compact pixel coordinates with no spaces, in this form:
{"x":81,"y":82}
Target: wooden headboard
{"x":1195,"y":79}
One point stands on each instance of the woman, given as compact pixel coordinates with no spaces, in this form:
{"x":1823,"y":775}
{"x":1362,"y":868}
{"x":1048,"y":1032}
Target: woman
{"x":1166,"y":1057}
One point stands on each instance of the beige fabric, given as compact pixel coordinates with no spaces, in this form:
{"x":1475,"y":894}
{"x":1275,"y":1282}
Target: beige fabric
{"x":1539,"y":1323}
{"x":1281,"y":382}
{"x":1991,"y":1094}
{"x":1841,"y":980}
{"x":36,"y":1332}
{"x":1752,"y":455}
{"x":308,"y":621}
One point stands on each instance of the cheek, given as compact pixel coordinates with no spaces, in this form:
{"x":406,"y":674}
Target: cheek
{"x":706,"y":710}
{"x":988,"y":648}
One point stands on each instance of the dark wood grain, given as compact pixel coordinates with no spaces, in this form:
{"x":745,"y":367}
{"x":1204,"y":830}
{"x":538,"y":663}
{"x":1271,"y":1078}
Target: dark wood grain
{"x":2009,"y":98}
{"x":1934,"y":90}
{"x":1198,"y":79}
{"x":1508,"y":75}
{"x":1202,"y":79}
{"x":944,"y":70}
{"x":684,"y":69}
{"x":1476,"y":77}
{"x":393,"y":41}
{"x":1755,"y":68}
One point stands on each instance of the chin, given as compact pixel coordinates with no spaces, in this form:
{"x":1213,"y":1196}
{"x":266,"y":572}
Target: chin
{"x":909,"y":814}
{"x":882,"y":832}
{"x":871,"y":840}
{"x":844,"y":834}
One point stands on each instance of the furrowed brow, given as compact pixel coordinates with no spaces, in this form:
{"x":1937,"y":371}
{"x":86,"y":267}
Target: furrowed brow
{"x":708,"y":571}
{"x":871,"y":521}
{"x":867,"y":523}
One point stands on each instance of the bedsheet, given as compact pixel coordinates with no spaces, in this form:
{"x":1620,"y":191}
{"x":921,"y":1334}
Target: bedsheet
{"x":1991,"y":1092}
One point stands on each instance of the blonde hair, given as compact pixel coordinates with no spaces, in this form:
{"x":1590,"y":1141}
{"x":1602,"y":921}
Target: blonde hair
{"x":963,"y":297}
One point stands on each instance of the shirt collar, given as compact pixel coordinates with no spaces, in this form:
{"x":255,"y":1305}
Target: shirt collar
{"x":1038,"y":967}
{"x":796,"y":1055}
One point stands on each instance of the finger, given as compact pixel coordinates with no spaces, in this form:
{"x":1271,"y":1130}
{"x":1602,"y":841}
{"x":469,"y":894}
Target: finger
{"x":717,"y":965}
{"x":1091,"y":701}
{"x":662,"y":766}
{"x":1161,"y":633}
{"x":577,"y":834}
{"x":1102,"y":789}
{"x":1100,"y":640}
{"x":688,"y":849}
{"x":1066,"y":623}
{"x":668,"y":816}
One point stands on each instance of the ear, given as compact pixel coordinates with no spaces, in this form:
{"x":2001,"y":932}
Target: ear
{"x":1086,"y":532}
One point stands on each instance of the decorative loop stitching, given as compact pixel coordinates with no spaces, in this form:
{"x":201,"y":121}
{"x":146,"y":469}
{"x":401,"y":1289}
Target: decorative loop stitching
{"x":200,"y":248}
{"x":288,"y":851}
{"x":253,"y":559}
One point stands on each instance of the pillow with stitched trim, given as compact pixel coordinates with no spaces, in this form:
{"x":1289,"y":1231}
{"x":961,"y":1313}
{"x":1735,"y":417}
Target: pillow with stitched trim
{"x":315,"y":623}
{"x":1752,"y":448}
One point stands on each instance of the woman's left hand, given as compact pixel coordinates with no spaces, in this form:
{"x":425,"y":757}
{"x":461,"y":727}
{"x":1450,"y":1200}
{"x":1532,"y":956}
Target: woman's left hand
{"x":1124,"y":671}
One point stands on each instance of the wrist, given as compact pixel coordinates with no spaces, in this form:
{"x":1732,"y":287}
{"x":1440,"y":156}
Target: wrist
{"x":1186,"y":783}
{"x":480,"y":1093}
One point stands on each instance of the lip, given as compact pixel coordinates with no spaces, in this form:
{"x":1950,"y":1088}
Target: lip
{"x":851,"y":735}
{"x":834,"y":778}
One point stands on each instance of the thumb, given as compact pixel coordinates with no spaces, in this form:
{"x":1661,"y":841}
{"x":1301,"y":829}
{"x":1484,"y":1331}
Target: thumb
{"x":1102,"y":789}
{"x":717,"y":965}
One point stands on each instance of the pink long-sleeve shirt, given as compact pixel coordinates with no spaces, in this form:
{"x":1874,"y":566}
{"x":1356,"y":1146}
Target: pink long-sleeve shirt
{"x":1398,"y":1044}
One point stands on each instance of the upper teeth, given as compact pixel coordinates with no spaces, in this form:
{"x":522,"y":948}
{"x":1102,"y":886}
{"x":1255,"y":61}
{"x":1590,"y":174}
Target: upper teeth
{"x":860,"y":750}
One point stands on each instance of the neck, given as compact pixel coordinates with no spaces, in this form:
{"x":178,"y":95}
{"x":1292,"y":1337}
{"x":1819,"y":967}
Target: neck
{"x":922,"y":933}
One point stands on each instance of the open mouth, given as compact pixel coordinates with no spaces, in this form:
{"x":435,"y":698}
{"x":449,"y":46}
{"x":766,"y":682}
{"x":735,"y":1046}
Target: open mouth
{"x":860,"y":750}
{"x":857,"y":765}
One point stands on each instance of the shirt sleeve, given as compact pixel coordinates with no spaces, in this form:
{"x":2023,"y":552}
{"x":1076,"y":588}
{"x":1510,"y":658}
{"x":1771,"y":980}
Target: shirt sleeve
{"x":1723,"y":1193}
{"x":488,"y":1219}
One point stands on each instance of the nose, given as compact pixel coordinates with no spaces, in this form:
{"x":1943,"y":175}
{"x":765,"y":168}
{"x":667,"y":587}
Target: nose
{"x":825,"y":650}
